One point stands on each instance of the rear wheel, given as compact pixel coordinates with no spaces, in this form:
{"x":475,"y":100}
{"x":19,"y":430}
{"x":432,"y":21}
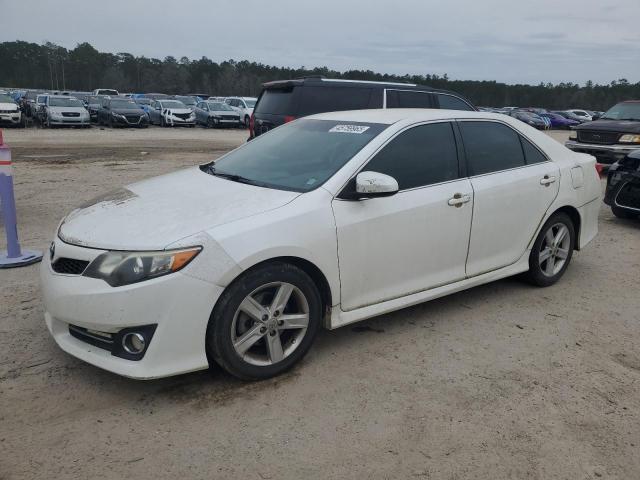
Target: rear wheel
{"x":552,"y":251}
{"x":246,"y":121}
{"x":264,"y":322}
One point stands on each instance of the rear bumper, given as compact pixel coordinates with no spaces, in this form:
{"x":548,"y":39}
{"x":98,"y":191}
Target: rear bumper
{"x":604,"y":153}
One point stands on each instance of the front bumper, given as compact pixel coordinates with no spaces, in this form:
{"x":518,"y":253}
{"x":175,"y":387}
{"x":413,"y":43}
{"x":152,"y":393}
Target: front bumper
{"x":604,"y":153}
{"x":72,"y":121}
{"x":176,"y":121}
{"x":10,"y":118}
{"x":179,"y":304}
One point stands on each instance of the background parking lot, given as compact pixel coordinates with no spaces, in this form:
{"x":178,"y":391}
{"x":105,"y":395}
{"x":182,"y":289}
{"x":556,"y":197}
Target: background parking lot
{"x":500,"y":381}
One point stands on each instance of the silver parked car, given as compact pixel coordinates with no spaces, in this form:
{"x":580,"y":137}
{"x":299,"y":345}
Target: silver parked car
{"x":63,"y":110}
{"x":216,"y":114}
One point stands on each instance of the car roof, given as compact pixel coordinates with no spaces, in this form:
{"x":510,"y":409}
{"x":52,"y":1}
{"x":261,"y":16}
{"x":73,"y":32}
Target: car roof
{"x":394,"y":115}
{"x":319,"y":80}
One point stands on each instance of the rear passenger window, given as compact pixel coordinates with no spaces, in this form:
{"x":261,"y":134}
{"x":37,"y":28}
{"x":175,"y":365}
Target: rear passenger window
{"x":408,"y":99}
{"x":449,"y":102}
{"x":420,"y":156}
{"x":333,"y":99}
{"x":531,"y":154}
{"x":277,"y":101}
{"x":491,"y":147}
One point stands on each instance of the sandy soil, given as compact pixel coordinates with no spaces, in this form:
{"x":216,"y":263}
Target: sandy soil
{"x":503,"y":381}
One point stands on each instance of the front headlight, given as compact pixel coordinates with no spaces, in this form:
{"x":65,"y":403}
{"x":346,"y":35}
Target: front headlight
{"x":630,"y":138}
{"x":125,"y":268}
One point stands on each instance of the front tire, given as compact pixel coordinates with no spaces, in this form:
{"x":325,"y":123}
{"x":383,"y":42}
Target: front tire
{"x":264,"y":322}
{"x":552,"y":251}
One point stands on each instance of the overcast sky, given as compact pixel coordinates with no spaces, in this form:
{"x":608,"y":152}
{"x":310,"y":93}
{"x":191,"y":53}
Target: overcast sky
{"x":512,"y":41}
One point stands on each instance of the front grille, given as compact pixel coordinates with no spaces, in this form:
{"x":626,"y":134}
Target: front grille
{"x":70,"y":114}
{"x":8,"y":111}
{"x":603,"y":138}
{"x":229,"y":117}
{"x":133,"y":118}
{"x":97,"y":339}
{"x":183,"y":116}
{"x":69,"y":266}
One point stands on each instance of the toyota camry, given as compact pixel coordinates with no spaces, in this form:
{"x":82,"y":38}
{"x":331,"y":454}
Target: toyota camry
{"x":322,"y":222}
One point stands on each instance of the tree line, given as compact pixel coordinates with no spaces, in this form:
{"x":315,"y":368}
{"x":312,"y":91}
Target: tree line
{"x":83,"y":68}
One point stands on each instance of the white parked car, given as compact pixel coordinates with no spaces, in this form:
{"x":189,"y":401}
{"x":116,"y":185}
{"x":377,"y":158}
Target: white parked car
{"x":170,"y":113}
{"x":582,"y":114}
{"x":324,"y":221}
{"x":244,"y":106}
{"x":9,"y":111}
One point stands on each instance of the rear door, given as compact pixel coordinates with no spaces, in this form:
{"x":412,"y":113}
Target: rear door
{"x":514,"y":184}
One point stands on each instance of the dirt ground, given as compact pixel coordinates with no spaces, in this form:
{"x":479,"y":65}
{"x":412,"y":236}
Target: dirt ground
{"x":504,"y":381}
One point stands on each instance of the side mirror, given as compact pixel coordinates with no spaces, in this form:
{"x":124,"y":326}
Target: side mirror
{"x":374,"y":184}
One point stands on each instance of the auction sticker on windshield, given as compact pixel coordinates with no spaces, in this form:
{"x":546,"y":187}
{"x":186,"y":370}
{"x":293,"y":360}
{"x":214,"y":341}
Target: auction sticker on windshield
{"x":349,"y":129}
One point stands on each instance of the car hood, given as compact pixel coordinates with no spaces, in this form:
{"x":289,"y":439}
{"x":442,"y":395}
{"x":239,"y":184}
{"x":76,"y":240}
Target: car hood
{"x":8,"y":106}
{"x":622,"y":126}
{"x":154,"y":213}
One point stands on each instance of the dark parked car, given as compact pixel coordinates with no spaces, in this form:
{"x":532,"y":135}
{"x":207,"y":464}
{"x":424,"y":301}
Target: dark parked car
{"x":122,"y":112}
{"x":94,"y":102}
{"x":285,"y":100}
{"x":613,"y":136}
{"x":530,"y":118}
{"x":623,"y":186}
{"x":558,"y":121}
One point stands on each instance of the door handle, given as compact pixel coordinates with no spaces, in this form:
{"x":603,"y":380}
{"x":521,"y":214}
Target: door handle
{"x":547,"y":180}
{"x":458,"y":200}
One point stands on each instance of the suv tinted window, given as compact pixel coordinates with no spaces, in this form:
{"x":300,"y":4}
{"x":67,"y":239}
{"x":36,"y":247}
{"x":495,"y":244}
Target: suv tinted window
{"x":450,"y":102}
{"x":531,"y":154}
{"x":420,"y":156}
{"x":491,"y":147}
{"x":408,"y":99}
{"x":333,"y":99}
{"x":277,"y":101}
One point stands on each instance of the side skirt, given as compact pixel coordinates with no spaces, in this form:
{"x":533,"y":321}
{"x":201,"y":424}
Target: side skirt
{"x":339,"y":318}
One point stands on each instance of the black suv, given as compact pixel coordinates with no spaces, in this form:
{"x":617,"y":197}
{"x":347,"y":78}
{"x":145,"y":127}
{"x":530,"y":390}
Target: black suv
{"x":611,"y":137}
{"x":285,"y":100}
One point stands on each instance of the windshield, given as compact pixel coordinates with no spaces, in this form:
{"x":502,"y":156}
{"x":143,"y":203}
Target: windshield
{"x":187,"y":100}
{"x":250,"y":103}
{"x":623,"y":111}
{"x":123,"y":104}
{"x":102,"y":91}
{"x":219,"y":107}
{"x":64,"y":102}
{"x":5,"y":98}
{"x":172,"y":104}
{"x":143,"y":101}
{"x":298,"y":156}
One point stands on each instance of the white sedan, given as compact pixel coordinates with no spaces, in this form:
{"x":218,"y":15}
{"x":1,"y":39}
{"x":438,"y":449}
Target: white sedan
{"x":322,"y":222}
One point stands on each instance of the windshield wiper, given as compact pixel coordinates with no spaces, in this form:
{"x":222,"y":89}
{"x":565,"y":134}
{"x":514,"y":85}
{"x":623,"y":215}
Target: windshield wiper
{"x":210,"y":169}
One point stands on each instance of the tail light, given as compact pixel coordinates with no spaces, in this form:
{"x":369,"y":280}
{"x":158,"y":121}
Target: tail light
{"x":600,"y":169}
{"x":289,"y":118}
{"x":252,"y":122}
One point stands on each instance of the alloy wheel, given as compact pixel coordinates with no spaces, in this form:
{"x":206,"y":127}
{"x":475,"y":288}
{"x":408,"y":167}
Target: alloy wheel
{"x":554,"y":249}
{"x":270,"y":323}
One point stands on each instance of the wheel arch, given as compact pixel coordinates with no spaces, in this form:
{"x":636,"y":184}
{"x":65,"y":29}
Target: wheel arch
{"x":311,"y":269}
{"x":574,"y":215}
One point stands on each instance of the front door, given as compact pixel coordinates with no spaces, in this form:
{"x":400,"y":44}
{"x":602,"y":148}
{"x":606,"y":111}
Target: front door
{"x":416,"y":239}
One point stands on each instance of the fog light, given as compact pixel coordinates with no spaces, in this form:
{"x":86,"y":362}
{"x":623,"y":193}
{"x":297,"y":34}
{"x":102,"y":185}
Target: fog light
{"x":133,"y":343}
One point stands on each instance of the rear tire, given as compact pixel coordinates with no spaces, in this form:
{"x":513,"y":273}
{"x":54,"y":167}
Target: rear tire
{"x":252,"y":334}
{"x":552,"y":251}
